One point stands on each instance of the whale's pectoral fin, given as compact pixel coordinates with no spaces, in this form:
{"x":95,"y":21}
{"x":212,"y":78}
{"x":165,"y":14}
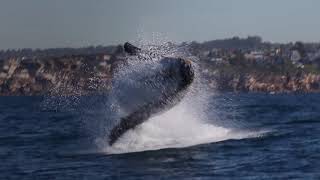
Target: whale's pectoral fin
{"x":129,"y":122}
{"x":131,"y":49}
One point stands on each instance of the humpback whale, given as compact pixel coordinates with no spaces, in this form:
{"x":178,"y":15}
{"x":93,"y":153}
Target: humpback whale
{"x":171,"y":81}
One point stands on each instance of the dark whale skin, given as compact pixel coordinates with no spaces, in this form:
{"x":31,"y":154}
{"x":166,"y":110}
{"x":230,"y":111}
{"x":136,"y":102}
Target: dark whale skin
{"x":176,"y":69}
{"x":131,"y":49}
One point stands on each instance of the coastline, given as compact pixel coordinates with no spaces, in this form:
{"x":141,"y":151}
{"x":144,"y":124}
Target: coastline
{"x":92,"y":74}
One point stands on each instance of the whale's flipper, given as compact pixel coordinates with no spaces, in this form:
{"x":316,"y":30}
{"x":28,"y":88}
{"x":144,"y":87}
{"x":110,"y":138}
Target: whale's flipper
{"x":134,"y":119}
{"x":131,"y":49}
{"x":176,"y":70}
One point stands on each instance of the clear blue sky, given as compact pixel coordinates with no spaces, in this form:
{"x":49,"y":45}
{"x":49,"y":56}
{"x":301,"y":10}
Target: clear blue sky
{"x":74,"y":23}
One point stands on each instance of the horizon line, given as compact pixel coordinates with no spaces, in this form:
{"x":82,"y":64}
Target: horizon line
{"x":174,"y":42}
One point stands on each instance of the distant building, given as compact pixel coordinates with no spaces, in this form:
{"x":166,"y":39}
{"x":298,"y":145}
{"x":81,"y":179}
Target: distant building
{"x":216,"y":59}
{"x":314,"y":56}
{"x":205,"y":53}
{"x":254,"y":55}
{"x":295,"y":56}
{"x":106,"y":57}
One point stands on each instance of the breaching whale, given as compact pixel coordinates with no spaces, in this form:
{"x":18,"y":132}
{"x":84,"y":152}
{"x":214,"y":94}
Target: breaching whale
{"x":171,"y":81}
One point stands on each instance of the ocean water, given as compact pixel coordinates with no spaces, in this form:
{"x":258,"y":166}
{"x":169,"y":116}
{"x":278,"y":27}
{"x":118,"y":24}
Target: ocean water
{"x":236,"y":136}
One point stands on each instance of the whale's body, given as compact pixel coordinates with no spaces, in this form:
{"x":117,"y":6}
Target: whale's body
{"x":167,"y":86}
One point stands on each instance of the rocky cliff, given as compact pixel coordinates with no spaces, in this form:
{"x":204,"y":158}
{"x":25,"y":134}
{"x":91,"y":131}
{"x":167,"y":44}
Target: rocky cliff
{"x":269,"y":83}
{"x":76,"y":75}
{"x":87,"y":74}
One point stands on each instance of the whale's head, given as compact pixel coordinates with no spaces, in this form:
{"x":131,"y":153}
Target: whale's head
{"x":186,"y":71}
{"x":180,"y":69}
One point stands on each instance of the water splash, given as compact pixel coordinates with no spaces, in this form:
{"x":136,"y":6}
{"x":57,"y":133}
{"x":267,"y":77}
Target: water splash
{"x":186,"y":124}
{"x":180,"y":127}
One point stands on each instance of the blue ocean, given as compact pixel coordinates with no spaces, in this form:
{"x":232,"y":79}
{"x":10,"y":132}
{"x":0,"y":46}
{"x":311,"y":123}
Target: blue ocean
{"x":240,"y":136}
